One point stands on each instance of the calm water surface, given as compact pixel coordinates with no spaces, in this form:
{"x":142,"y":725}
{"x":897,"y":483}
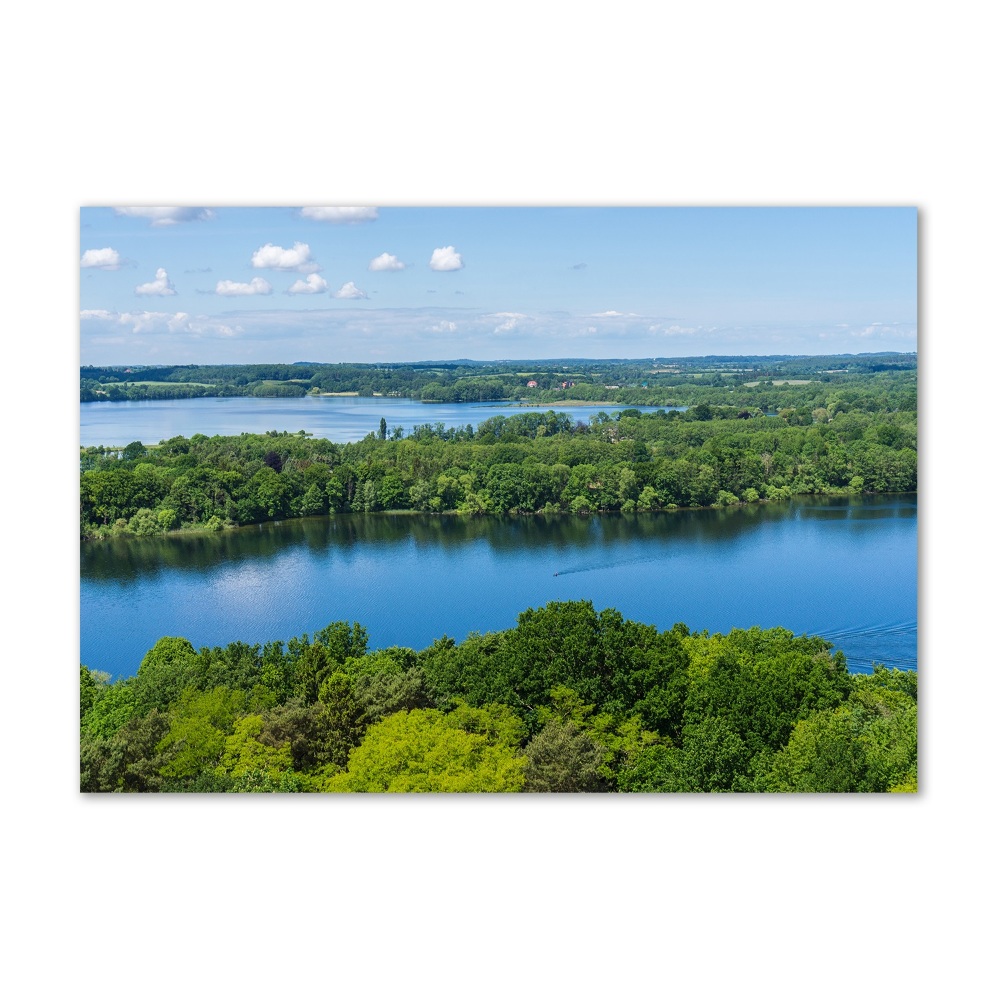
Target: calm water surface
{"x":844,"y":568}
{"x":339,"y":418}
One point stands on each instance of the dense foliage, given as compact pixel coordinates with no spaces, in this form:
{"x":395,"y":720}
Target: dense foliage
{"x":571,"y":699}
{"x":838,"y":441}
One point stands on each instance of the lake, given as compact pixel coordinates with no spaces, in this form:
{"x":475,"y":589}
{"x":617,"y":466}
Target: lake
{"x":339,"y":418}
{"x":844,"y":568}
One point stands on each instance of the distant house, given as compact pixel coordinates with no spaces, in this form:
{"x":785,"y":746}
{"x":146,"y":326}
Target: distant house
{"x":532,"y":384}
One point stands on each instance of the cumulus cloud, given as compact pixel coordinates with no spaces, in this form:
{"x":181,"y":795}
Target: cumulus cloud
{"x":313,"y":284}
{"x":257,"y":286}
{"x":508,"y":321}
{"x":445,"y":326}
{"x":298,"y":258}
{"x":340,"y":215}
{"x":160,"y":285}
{"x":106,"y":259}
{"x":349,"y":291}
{"x":446,"y":259}
{"x":168,"y":216}
{"x":386,"y":262}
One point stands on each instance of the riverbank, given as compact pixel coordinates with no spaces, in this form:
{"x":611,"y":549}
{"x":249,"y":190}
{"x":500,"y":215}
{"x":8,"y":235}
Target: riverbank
{"x":220,"y":526}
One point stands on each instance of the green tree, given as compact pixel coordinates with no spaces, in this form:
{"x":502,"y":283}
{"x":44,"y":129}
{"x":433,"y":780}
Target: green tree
{"x":244,"y":755}
{"x":111,"y":708}
{"x":823,"y":755}
{"x":126,"y":759}
{"x":564,"y":758}
{"x":383,"y":694}
{"x":424,"y":751}
{"x":316,"y":735}
{"x":314,"y":501}
{"x":89,"y":690}
{"x":712,"y":757}
{"x":200,"y":721}
{"x":164,"y":672}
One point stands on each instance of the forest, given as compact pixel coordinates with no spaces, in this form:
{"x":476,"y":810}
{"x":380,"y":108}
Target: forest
{"x":770,"y":382}
{"x":571,"y":699}
{"x":837,"y":440}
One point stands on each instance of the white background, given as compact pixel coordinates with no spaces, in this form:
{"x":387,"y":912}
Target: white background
{"x":523,"y":103}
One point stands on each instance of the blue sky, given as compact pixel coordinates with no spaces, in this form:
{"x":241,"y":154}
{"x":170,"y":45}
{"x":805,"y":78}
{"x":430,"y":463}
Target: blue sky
{"x":368,"y":284}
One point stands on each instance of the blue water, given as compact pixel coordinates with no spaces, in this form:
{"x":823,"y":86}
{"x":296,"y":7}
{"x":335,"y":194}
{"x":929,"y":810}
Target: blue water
{"x":843,"y":568}
{"x":339,"y":418}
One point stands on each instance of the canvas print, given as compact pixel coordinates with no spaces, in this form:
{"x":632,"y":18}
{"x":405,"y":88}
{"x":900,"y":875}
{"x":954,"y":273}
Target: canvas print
{"x":500,"y":499}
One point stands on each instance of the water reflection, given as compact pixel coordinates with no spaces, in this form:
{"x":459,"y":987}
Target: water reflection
{"x":129,"y":559}
{"x":412,"y":578}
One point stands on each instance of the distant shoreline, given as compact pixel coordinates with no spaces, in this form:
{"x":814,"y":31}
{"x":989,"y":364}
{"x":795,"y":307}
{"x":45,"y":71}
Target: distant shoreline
{"x":576,"y":402}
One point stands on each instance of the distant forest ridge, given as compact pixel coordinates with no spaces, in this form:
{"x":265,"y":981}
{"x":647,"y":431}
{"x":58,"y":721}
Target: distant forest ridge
{"x":649,"y":381}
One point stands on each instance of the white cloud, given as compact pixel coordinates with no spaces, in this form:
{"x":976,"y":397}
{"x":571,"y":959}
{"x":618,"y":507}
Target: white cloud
{"x":446,"y":259}
{"x":352,"y":331}
{"x":509,"y":321}
{"x":350,"y":291}
{"x":160,"y":285}
{"x":139,"y":322}
{"x":340,"y":215}
{"x":386,"y":262}
{"x":168,"y":216}
{"x":106,"y":259}
{"x":298,"y":258}
{"x":672,"y":330}
{"x":883,"y":330}
{"x":257,"y":286}
{"x":313,"y":284}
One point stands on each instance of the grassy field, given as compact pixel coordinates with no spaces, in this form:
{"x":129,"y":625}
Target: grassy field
{"x":569,"y":402}
{"x":171,"y":385}
{"x":781,"y":381}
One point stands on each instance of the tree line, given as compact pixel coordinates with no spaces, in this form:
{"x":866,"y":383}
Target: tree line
{"x":766,"y":382}
{"x":532,"y":462}
{"x":569,"y":700}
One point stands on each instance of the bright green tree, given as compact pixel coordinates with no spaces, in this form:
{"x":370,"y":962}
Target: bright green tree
{"x":424,"y":751}
{"x":244,"y":755}
{"x":200,"y":721}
